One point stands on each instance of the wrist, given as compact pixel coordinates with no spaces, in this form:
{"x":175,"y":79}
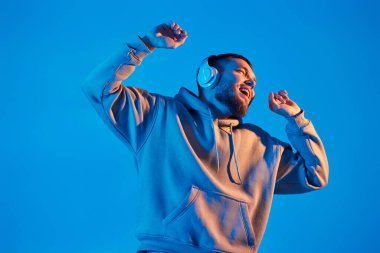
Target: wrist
{"x":147,"y":43}
{"x":297,"y":122}
{"x":294,"y":113}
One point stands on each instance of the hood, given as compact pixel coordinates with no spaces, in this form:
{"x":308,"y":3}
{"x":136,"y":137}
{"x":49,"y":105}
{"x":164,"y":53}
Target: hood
{"x":192,"y":102}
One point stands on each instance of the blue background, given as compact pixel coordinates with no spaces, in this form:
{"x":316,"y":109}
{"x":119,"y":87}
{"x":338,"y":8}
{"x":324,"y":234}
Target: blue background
{"x":68,"y":185}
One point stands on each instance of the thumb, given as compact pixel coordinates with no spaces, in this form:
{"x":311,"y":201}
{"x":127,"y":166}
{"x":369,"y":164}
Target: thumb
{"x":271,"y":97}
{"x":271,"y":100}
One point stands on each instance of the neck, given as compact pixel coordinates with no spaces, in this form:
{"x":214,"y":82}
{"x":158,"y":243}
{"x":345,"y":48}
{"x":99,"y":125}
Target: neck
{"x":218,"y":110}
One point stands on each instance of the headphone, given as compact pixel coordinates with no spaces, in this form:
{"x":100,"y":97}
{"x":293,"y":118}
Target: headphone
{"x":207,"y":75}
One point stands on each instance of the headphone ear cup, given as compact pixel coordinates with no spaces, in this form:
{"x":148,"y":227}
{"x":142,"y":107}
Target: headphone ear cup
{"x":207,"y":75}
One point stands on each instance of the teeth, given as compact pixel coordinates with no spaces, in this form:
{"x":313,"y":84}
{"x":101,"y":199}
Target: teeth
{"x":244,"y":91}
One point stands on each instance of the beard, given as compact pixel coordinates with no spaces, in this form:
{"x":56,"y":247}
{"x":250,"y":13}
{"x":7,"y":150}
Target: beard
{"x":230,"y":97}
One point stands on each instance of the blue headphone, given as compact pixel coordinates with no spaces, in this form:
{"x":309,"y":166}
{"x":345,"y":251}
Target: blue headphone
{"x":207,"y":75}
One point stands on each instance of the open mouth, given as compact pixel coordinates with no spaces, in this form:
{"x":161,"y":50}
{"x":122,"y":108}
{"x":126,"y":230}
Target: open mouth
{"x":245,"y":91}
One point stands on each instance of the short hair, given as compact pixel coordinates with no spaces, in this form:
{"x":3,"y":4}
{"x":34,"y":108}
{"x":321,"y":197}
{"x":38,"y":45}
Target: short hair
{"x":213,"y":59}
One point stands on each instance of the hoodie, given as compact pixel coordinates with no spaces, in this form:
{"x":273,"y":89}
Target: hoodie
{"x":205,"y":184}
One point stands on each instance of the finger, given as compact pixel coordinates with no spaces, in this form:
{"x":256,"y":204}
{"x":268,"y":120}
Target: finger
{"x":284,"y":93}
{"x":167,"y":28}
{"x":279,"y":98}
{"x":273,"y":102}
{"x":184,"y":33}
{"x":271,"y":99}
{"x":284,"y":96}
{"x":176,"y":29}
{"x":181,"y":34}
{"x":174,"y":26}
{"x":271,"y":96}
{"x":182,"y":37}
{"x":171,"y":30}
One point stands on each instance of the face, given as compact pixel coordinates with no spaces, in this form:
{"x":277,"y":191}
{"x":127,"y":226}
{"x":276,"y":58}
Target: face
{"x":235,"y":87}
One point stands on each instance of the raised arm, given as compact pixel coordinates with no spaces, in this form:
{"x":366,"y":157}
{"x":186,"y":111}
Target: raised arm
{"x":307,"y":168}
{"x":129,"y":112}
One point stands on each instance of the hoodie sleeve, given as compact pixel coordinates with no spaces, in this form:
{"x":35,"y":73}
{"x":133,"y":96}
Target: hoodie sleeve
{"x":307,"y":168}
{"x":128,"y":112}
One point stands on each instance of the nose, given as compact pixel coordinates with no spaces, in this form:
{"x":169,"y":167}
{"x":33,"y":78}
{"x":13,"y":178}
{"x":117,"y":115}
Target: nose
{"x":250,"y":83}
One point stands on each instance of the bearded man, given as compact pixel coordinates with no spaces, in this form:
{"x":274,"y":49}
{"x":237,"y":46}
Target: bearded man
{"x":206,"y":178}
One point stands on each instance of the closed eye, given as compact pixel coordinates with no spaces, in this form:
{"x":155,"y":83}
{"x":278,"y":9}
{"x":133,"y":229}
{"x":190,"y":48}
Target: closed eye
{"x":241,"y":71}
{"x":245,"y":73}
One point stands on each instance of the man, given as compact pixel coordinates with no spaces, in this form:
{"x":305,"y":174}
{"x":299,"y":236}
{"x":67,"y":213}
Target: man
{"x":206,"y":178}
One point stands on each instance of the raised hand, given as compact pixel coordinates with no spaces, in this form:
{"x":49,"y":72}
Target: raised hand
{"x":280,"y":103}
{"x":167,"y":35}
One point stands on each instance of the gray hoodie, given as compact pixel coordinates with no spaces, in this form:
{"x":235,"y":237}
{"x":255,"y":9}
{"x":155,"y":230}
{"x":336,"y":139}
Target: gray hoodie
{"x":205,"y":184}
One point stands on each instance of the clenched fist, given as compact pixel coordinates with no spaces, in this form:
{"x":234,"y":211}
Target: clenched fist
{"x":167,"y":35}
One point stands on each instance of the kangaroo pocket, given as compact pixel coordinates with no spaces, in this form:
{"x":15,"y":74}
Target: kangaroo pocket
{"x":210,"y":220}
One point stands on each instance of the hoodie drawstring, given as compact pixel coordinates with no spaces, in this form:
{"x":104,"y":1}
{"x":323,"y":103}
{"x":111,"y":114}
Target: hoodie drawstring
{"x":234,"y":153}
{"x":216,"y":143}
{"x":230,"y":124}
